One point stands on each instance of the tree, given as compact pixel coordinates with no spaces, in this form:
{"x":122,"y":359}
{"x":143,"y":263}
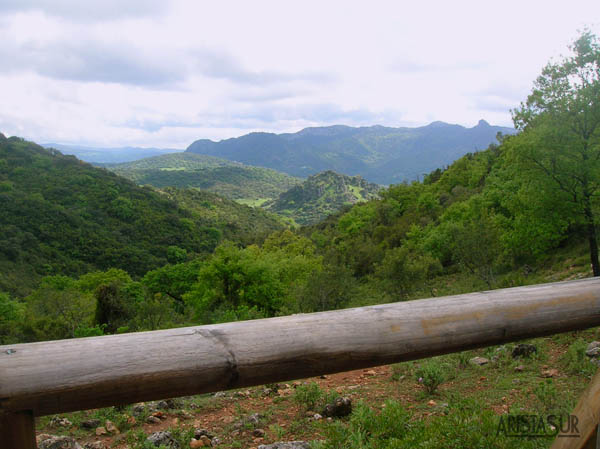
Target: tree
{"x":327,"y":289}
{"x":173,"y":281}
{"x":403,"y":268}
{"x":176,"y":254}
{"x":10,"y":314}
{"x":57,"y":309}
{"x":477,"y":247}
{"x":559,"y":143}
{"x":236,"y":279}
{"x":115,"y":306}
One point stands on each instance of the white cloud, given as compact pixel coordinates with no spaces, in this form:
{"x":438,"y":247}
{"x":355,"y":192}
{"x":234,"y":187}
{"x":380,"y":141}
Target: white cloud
{"x":164,"y":73}
{"x":86,"y":10}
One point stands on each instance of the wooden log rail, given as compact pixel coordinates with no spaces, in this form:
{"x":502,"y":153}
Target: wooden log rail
{"x":44,"y":378}
{"x":587,"y":412}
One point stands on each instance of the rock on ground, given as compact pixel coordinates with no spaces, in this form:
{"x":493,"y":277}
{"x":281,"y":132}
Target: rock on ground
{"x":168,"y":404}
{"x":338,"y":408}
{"x":54,"y":442}
{"x":165,"y":438}
{"x":286,"y":445}
{"x":95,"y":445}
{"x":593,"y":349}
{"x":252,"y":420}
{"x":57,"y":421}
{"x":523,"y":350}
{"x":90,"y":424}
{"x":479,"y":361}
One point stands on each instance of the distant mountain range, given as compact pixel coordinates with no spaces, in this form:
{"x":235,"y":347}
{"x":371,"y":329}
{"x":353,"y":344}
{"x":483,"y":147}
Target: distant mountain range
{"x":97,"y":155}
{"x":321,"y":195}
{"x":240,"y":182}
{"x":380,"y":154}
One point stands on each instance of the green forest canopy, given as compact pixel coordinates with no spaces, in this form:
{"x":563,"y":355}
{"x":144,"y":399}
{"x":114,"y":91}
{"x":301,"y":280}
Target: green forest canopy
{"x":63,"y":216}
{"x":226,"y":178}
{"x":490,"y":219}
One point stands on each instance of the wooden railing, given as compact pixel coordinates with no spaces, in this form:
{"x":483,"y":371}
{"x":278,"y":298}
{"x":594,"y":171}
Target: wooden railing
{"x":44,"y":378}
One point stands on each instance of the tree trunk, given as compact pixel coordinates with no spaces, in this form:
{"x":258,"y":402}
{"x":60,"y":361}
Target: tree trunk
{"x":591,"y":235}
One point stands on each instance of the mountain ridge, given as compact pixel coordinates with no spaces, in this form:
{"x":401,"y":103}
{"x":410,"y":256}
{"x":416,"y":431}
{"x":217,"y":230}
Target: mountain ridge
{"x":383,"y":155}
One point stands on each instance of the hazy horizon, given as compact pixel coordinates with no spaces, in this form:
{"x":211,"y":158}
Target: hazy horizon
{"x":164,"y":73}
{"x":233,"y":137}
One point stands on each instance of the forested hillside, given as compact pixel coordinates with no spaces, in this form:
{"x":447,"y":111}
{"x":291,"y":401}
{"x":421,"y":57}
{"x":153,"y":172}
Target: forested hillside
{"x":321,"y":195}
{"x":457,"y":231}
{"x":63,"y":216}
{"x":520,"y":212}
{"x":238,"y":223}
{"x":226,"y":178}
{"x":201,"y":196}
{"x":380,"y":154}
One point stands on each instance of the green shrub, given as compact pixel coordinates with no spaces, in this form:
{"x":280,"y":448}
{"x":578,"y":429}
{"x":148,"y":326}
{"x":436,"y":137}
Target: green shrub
{"x":466,"y":425}
{"x":95,"y":331}
{"x":575,"y":360}
{"x":369,"y":429}
{"x":431,"y":375}
{"x":463,"y":359}
{"x":308,"y":395}
{"x":548,"y":398}
{"x":400,"y":370}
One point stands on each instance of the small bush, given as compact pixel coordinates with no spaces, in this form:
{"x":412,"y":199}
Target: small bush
{"x":547,"y":396}
{"x":368,"y":428}
{"x":308,"y":395}
{"x":463,"y":359}
{"x":575,"y":360}
{"x":467,"y":425}
{"x":431,"y":375}
{"x":95,"y":331}
{"x":278,"y":431}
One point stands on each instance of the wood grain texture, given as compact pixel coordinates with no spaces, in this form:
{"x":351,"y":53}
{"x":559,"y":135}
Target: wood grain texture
{"x":587,"y":412}
{"x":17,"y":430}
{"x":67,"y":375}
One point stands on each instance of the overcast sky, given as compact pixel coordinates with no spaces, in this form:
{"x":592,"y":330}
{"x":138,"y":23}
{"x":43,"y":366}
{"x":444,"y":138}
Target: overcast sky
{"x":165,"y":73}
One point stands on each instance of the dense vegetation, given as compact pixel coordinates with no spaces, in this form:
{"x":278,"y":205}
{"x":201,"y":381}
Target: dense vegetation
{"x":304,"y":203}
{"x":522,"y":211}
{"x":62,"y":216}
{"x":229,"y":179}
{"x":493,"y":218}
{"x":454,"y":232}
{"x":379,"y":154}
{"x":560,"y":143}
{"x":321,"y":195}
{"x":237,"y":223}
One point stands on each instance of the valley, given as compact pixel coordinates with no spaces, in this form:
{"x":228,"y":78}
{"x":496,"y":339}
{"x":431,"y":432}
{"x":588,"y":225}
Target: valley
{"x":267,"y":225}
{"x":243,"y":183}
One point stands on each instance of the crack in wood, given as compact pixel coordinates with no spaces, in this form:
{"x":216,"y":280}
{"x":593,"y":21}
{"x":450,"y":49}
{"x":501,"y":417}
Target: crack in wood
{"x":221,"y":339}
